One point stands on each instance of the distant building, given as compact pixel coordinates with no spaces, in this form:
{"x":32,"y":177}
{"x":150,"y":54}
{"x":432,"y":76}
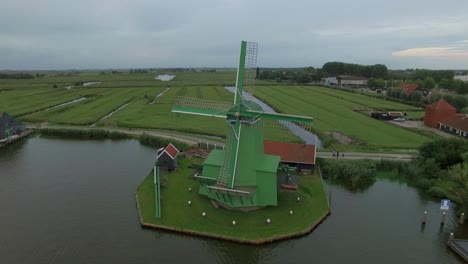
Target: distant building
{"x":9,"y":126}
{"x":346,"y":80}
{"x":167,"y":157}
{"x":300,"y":156}
{"x":438,"y":111}
{"x":461,"y":77}
{"x":409,"y":88}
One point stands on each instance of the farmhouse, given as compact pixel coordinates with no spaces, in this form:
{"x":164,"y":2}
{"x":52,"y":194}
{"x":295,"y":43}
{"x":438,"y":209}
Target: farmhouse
{"x":9,"y":126}
{"x":167,"y":157}
{"x":300,"y":156}
{"x":346,"y":80}
{"x":456,"y":124}
{"x":438,"y":111}
{"x":409,"y":88}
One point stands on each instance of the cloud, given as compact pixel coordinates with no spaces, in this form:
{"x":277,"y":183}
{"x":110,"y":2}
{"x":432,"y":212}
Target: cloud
{"x":456,"y":51}
{"x":65,"y":34}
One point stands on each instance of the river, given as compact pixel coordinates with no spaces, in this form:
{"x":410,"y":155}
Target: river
{"x":73,"y":201}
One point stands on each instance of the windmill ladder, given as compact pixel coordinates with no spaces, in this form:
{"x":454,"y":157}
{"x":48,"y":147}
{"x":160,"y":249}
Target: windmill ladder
{"x":224,"y":172}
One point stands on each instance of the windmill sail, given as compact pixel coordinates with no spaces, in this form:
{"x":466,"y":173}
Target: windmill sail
{"x":241,"y":175}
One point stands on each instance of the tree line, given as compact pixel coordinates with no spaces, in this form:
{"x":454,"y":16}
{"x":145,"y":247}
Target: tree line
{"x":18,"y":75}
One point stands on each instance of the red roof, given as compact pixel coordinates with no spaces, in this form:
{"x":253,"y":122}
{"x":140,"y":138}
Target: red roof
{"x":458,"y":121}
{"x":408,"y":87}
{"x":291,"y":152}
{"x":395,"y":113}
{"x":170,"y":150}
{"x":441,"y":104}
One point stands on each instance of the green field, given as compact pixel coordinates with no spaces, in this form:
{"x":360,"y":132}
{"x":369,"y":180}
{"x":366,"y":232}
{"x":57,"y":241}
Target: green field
{"x":249,"y":226}
{"x":334,"y":111}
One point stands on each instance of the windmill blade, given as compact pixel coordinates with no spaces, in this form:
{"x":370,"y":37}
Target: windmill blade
{"x":250,"y":69}
{"x":203,"y":107}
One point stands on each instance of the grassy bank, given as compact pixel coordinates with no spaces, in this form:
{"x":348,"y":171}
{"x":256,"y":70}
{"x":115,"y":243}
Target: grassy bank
{"x":144,"y":139}
{"x":249,"y":226}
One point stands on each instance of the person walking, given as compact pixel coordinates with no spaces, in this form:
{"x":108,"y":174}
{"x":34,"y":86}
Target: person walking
{"x":337,"y":154}
{"x":342,"y":154}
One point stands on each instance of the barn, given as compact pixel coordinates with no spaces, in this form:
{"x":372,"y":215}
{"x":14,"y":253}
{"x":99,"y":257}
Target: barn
{"x":9,"y":126}
{"x":300,"y":156}
{"x":437,"y":112}
{"x":167,"y":157}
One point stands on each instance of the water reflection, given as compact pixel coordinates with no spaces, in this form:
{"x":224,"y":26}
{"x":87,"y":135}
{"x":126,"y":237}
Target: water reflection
{"x":73,"y":201}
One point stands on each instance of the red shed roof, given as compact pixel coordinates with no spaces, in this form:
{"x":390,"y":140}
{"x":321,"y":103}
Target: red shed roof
{"x":408,"y":87}
{"x":441,"y":104}
{"x":170,"y":150}
{"x":395,"y":113}
{"x":458,"y":121}
{"x":291,"y":152}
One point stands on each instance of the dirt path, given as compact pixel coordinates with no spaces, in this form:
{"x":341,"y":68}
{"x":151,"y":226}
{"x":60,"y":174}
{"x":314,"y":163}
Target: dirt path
{"x":363,"y":155}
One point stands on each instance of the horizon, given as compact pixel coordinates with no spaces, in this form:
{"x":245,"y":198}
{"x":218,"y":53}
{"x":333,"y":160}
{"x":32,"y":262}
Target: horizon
{"x":154,"y":34}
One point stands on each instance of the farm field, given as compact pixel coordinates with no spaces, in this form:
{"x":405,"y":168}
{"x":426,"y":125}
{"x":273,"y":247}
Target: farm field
{"x":334,"y":112}
{"x":143,"y":110}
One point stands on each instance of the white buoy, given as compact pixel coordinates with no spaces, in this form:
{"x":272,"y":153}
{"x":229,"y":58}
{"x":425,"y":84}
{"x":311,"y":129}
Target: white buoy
{"x":203,"y":214}
{"x":233,"y":222}
{"x":189,"y":202}
{"x":298,"y":198}
{"x":268,"y":221}
{"x":291,"y":212}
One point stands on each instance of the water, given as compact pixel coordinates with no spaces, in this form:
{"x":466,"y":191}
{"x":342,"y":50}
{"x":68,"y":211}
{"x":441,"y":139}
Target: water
{"x":159,"y":95}
{"x":70,"y":201}
{"x":165,"y":77}
{"x":306,"y":136}
{"x":111,"y":113}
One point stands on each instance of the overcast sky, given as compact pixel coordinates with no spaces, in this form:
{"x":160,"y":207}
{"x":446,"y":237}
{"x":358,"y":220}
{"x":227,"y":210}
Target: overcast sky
{"x":87,"y":34}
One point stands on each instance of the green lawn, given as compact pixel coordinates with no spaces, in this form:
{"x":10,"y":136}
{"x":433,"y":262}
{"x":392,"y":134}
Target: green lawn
{"x":333,"y":113}
{"x":249,"y":226}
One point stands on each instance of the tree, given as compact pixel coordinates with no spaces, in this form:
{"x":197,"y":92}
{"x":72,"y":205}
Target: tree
{"x":459,"y":174}
{"x":416,"y":96}
{"x":445,"y":152}
{"x":429,"y":83}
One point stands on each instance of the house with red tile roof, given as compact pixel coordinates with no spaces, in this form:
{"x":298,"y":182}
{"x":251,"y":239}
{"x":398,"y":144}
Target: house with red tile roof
{"x":409,"y":88}
{"x":456,"y":124}
{"x":301,"y":156}
{"x":438,"y":111}
{"x":167,"y":157}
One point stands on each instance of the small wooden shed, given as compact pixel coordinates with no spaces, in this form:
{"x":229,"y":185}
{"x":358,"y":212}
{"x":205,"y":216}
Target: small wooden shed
{"x":167,"y":157}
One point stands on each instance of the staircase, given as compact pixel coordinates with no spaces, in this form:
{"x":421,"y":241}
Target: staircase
{"x":224,"y":173}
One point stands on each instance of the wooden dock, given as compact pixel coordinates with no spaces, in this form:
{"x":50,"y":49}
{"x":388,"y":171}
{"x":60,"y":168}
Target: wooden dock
{"x":460,"y":246}
{"x":14,"y":138}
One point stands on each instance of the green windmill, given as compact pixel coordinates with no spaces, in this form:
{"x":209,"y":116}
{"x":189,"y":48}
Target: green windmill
{"x":241,"y":175}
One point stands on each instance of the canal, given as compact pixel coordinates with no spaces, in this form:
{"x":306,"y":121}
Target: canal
{"x":72,"y":201}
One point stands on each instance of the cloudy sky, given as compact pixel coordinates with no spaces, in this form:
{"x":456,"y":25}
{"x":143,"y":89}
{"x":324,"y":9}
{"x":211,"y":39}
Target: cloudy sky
{"x":65,"y":34}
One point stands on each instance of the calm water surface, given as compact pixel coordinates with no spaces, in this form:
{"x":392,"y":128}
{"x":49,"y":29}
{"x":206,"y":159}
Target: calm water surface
{"x":69,"y":201}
